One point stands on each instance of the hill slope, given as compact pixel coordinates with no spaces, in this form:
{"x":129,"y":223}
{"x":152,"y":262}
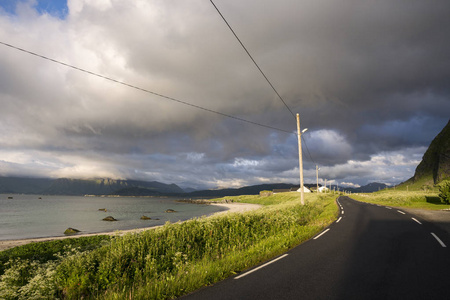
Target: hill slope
{"x":435,"y":164}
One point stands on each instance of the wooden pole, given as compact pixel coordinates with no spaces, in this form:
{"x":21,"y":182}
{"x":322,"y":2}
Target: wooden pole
{"x":299,"y":134}
{"x":317,"y":178}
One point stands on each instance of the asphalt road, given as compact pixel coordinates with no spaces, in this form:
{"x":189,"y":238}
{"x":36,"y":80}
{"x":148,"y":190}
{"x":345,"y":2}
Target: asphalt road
{"x":370,"y":252}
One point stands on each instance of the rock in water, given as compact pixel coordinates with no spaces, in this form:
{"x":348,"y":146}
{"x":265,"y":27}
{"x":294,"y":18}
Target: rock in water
{"x":71,"y":231}
{"x":109,"y":218}
{"x":170,"y":210}
{"x":145,"y":218}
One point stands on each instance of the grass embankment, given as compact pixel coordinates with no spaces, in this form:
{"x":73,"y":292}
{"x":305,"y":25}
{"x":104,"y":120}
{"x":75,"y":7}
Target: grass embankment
{"x":409,"y":199}
{"x":171,"y":260}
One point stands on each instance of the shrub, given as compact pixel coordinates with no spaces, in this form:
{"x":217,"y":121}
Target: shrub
{"x":444,"y":191}
{"x":25,"y":279}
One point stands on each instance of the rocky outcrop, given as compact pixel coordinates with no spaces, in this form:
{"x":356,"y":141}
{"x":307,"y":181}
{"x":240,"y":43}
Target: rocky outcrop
{"x":170,"y":210}
{"x":436,"y":160}
{"x":71,"y":230}
{"x":109,"y":218}
{"x":145,"y":218}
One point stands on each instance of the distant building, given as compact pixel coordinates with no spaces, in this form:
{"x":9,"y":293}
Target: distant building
{"x":305,"y":190}
{"x":292,"y":189}
{"x":323,"y":189}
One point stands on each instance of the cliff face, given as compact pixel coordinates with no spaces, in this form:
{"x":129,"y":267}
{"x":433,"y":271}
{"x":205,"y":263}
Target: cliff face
{"x":436,"y":160}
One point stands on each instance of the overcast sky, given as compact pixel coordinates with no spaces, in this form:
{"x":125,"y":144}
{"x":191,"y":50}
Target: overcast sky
{"x":370,"y":80}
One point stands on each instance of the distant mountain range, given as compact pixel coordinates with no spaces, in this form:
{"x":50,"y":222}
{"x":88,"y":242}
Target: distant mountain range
{"x":369,"y":188}
{"x":102,"y":186}
{"x":79,"y":187}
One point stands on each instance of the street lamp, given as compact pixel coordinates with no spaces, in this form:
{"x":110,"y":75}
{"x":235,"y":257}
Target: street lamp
{"x":300,"y":159}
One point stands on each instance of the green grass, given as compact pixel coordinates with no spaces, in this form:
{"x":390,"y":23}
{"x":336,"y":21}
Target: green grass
{"x":178,"y":258}
{"x":50,"y":250}
{"x":410,"y":199}
{"x":425,"y":183}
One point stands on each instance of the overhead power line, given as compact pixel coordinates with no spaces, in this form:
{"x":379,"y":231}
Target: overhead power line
{"x":248,"y":53}
{"x":143,"y":89}
{"x":307,"y":149}
{"x":260,"y":70}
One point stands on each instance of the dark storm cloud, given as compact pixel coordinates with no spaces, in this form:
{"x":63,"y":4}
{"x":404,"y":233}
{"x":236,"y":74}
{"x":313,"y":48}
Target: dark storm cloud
{"x":370,"y":80}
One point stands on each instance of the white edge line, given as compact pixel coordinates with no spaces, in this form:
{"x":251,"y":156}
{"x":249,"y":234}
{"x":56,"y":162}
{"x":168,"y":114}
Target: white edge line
{"x":439,"y":240}
{"x":416,"y":220}
{"x":342,"y":212}
{"x":338,"y":220}
{"x":388,"y":207}
{"x":321,"y":234}
{"x":401,"y":212}
{"x":262,"y":266}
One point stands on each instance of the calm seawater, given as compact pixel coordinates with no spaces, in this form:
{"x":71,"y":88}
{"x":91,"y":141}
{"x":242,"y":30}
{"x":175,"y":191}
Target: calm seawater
{"x":27,"y":216}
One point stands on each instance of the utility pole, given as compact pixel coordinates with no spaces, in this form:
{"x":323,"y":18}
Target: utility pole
{"x":317,"y":178}
{"x":300,"y":159}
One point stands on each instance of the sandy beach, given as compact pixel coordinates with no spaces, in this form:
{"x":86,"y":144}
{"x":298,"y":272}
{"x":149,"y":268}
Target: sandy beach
{"x":231,"y":208}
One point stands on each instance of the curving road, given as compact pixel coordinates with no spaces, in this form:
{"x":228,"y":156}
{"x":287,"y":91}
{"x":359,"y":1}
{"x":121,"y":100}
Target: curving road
{"x":370,"y":252}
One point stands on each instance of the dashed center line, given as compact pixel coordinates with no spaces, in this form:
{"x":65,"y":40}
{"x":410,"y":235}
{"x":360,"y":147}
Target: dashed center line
{"x":439,"y":240}
{"x":260,"y":267}
{"x":342,"y":212}
{"x":388,"y":207}
{"x":401,"y":212}
{"x":416,"y":220}
{"x":340,"y":218}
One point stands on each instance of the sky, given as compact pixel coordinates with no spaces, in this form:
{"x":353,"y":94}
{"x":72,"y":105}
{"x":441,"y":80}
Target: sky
{"x":369,"y":79}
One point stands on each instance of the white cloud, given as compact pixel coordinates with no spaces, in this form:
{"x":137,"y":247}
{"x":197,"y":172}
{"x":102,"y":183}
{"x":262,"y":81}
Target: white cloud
{"x":371,"y":110}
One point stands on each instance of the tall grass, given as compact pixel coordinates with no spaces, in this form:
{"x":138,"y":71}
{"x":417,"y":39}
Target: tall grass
{"x":411,"y":199}
{"x":179,"y":258}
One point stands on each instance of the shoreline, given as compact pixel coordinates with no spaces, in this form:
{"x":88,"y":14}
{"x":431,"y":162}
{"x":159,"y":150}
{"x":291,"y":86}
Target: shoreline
{"x":231,"y":208}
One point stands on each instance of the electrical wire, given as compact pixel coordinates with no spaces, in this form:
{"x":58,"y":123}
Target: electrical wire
{"x":307,"y":149}
{"x":260,"y":70}
{"x":251,"y":57}
{"x":143,"y":89}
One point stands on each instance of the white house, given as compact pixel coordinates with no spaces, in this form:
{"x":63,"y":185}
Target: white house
{"x":323,"y":189}
{"x":305,"y":190}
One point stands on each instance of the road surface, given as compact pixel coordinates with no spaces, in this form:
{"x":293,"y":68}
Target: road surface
{"x":370,"y":252}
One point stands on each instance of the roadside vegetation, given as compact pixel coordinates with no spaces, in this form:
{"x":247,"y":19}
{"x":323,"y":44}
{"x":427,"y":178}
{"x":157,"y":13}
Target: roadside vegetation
{"x":444,"y":191}
{"x":401,"y":198}
{"x":168,"y":261}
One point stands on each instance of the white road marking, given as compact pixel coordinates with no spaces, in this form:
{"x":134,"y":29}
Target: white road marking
{"x":401,"y":212}
{"x":338,"y":220}
{"x":260,"y":267}
{"x":342,"y":212}
{"x":439,"y":240}
{"x":321,"y":234}
{"x":388,"y":207}
{"x":416,"y":220}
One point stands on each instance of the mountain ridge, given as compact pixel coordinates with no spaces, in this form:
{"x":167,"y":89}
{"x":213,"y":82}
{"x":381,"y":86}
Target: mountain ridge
{"x":79,"y":187}
{"x":435,"y":165}
{"x":122,"y":187}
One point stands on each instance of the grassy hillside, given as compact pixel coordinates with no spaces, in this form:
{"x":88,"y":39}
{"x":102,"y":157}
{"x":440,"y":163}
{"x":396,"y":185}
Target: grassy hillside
{"x":435,"y":165}
{"x":409,"y":199}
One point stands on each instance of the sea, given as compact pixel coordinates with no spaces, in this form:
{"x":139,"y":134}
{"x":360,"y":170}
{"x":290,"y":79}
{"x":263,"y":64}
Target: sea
{"x":36,"y":216}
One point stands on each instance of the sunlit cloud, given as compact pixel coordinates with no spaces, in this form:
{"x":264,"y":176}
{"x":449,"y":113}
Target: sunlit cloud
{"x":367,"y":88}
